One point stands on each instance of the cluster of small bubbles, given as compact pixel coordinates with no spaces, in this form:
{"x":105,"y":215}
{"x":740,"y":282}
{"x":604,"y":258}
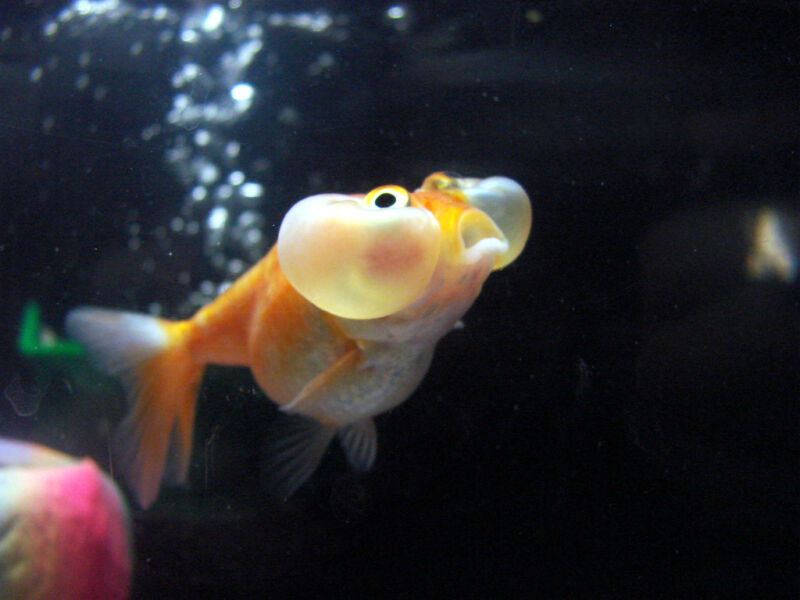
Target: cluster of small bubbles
{"x":212,"y":90}
{"x":212,"y":95}
{"x":93,"y":14}
{"x":318,"y":23}
{"x":100,"y":21}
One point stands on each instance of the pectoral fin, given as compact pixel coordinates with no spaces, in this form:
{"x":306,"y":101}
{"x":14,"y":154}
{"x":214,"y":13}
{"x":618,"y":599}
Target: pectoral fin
{"x":293,"y":452}
{"x":328,"y":396}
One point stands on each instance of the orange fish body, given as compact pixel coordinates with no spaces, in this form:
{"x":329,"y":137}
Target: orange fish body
{"x":338,"y":323}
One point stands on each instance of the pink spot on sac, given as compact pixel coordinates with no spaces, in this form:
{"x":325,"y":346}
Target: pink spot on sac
{"x":389,"y":258}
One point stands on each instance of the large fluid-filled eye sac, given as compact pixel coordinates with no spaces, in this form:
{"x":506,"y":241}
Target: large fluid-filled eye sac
{"x":507,"y":204}
{"x":355,"y":261}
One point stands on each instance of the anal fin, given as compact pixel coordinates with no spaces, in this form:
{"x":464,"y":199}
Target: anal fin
{"x":360,"y":443}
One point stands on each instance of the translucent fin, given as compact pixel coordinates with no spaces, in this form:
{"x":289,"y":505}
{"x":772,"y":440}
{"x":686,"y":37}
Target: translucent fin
{"x":293,"y":453}
{"x":161,"y":378}
{"x":360,"y":443}
{"x":117,"y":341}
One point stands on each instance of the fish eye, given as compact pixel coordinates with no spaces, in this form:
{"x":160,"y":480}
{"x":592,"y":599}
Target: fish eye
{"x":387,"y":196}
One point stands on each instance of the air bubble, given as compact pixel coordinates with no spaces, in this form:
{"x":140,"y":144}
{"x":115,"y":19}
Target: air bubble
{"x":199,"y":193}
{"x":100,"y":92}
{"x":207,"y":288}
{"x":235,"y":267}
{"x":247,"y":219}
{"x":252,"y":190}
{"x":214,"y":17}
{"x":232,"y":149}
{"x":189,"y":36}
{"x":217,"y":218}
{"x":202,"y":137}
{"x":242,"y":92}
{"x":209,"y":173}
{"x":224,"y":191}
{"x":148,"y":265}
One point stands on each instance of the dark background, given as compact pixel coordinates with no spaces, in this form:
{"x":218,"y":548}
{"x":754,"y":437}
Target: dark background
{"x":617,"y":418}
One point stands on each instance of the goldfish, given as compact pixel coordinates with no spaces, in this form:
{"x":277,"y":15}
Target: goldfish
{"x":337,"y":322}
{"x":64,"y":527}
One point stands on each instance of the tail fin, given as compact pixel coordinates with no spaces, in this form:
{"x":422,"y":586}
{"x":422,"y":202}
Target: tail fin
{"x":161,"y":379}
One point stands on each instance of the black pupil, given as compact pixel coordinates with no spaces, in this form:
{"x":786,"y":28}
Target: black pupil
{"x":385,"y":200}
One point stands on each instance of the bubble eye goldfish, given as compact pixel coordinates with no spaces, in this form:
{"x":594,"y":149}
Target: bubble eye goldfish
{"x":338,"y":323}
{"x":64,"y":529}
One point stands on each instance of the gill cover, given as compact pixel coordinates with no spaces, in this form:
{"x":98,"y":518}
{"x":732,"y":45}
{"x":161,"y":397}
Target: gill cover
{"x":359,"y":257}
{"x":501,"y":198}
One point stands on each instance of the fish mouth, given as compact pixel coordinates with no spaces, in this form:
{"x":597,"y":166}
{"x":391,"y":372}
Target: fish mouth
{"x":500,"y":199}
{"x":508,"y":206}
{"x":480,"y":237}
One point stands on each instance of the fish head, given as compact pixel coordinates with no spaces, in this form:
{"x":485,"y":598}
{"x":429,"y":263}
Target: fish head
{"x":371,"y":256}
